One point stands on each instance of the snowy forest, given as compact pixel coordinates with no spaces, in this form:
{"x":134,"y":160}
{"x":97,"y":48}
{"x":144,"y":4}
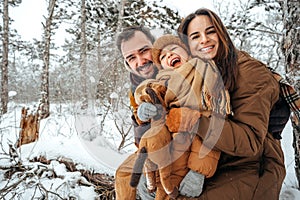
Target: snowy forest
{"x":74,"y":96}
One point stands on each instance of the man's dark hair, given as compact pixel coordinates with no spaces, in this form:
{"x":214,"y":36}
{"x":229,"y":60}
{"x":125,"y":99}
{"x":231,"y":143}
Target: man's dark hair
{"x":129,"y":32}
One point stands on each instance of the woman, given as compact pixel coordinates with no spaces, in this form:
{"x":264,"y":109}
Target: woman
{"x":251,"y":165}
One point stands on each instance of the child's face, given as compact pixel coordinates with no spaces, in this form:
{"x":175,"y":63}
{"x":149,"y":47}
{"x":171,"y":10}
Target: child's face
{"x":172,"y":56}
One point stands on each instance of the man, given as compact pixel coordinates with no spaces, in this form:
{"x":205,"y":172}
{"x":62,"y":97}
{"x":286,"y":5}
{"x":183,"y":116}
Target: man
{"x":135,"y":44}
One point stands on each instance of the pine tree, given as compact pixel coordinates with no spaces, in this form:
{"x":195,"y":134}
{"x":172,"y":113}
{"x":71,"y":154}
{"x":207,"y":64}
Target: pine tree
{"x":83,"y":56}
{"x":4,"y":78}
{"x":5,"y":53}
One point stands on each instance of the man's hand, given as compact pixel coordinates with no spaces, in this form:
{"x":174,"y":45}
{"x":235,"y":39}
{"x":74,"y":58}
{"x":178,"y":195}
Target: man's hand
{"x":191,"y":185}
{"x":182,"y":119}
{"x":146,"y":111}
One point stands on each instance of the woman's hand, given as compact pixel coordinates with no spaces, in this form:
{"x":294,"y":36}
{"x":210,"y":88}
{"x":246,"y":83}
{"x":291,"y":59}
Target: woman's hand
{"x":182,"y":119}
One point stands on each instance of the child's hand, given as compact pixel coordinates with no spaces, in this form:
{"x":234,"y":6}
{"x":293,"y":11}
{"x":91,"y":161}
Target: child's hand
{"x":146,"y":111}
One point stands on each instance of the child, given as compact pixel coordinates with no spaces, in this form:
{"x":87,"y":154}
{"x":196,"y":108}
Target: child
{"x":189,"y":83}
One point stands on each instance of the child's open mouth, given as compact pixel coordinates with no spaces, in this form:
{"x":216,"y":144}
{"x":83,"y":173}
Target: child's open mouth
{"x":175,"y":62}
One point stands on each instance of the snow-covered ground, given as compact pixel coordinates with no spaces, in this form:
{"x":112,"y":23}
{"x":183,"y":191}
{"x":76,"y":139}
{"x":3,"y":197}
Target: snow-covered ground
{"x":61,"y":136}
{"x":289,"y":190}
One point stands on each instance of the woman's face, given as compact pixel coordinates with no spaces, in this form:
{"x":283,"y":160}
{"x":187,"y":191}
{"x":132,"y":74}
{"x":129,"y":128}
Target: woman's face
{"x":203,"y":39}
{"x":172,"y":56}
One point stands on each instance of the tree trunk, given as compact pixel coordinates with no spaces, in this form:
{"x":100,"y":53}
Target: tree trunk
{"x":99,"y":51}
{"x":296,"y":142}
{"x":44,"y":104}
{"x":4,"y":78}
{"x":291,"y":50}
{"x":99,"y":64}
{"x":116,"y":74}
{"x":83,"y":57}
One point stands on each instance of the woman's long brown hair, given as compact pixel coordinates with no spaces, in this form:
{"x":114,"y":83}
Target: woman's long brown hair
{"x":226,"y":58}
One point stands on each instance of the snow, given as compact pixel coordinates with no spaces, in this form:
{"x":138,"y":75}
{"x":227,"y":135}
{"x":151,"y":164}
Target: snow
{"x":58,"y":138}
{"x":114,"y":95}
{"x":11,"y":94}
{"x":289,"y":190}
{"x":61,"y":137}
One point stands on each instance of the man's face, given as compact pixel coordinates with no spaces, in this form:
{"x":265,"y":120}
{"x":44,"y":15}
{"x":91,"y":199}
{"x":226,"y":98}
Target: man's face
{"x":137,"y":53}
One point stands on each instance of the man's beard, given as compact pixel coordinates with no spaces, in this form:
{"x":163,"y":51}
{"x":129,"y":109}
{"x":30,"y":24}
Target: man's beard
{"x":140,"y":68}
{"x":155,"y":70}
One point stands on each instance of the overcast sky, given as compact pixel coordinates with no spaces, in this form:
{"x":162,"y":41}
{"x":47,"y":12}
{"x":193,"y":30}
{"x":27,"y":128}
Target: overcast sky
{"x":185,"y":7}
{"x":28,"y":18}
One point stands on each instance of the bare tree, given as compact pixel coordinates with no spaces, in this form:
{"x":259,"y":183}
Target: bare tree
{"x":44,"y":104}
{"x":83,"y":56}
{"x":119,"y":27}
{"x":4,"y":80}
{"x":291,"y":51}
